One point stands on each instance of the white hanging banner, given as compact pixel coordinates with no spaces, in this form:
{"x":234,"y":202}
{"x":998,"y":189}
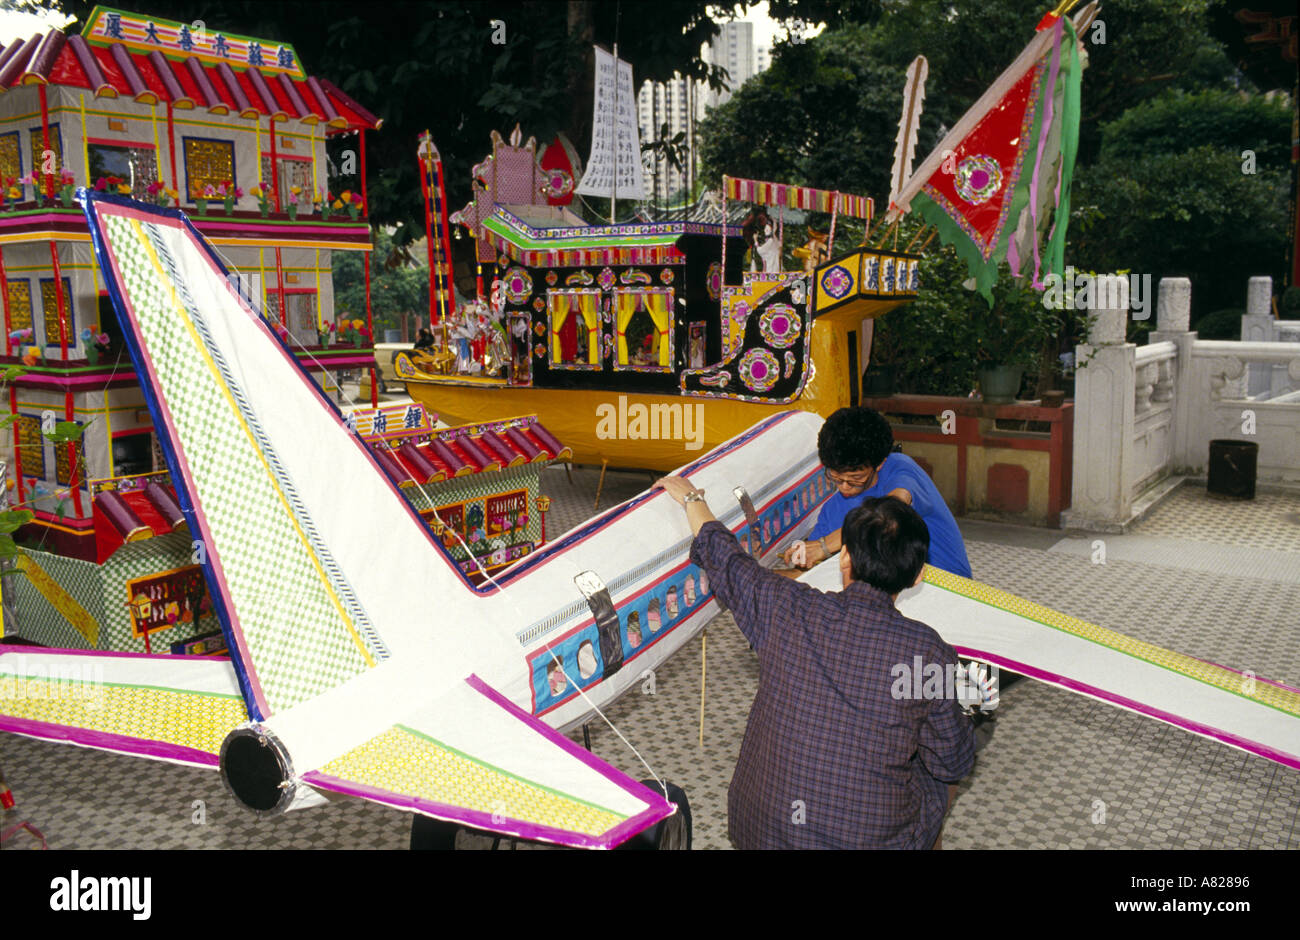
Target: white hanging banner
{"x":614,"y":168}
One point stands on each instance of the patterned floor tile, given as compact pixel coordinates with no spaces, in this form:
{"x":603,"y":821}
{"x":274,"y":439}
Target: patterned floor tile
{"x":1061,"y":771}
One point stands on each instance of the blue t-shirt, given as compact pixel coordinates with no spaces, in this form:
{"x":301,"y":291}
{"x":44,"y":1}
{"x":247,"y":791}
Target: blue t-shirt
{"x":947,"y":550}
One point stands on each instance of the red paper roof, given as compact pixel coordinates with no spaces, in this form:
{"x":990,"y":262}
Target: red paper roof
{"x":463,"y":451}
{"x":133,"y":516}
{"x":113,"y":70}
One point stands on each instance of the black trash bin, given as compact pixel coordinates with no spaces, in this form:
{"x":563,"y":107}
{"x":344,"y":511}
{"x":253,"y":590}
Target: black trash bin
{"x":1232,"y":469}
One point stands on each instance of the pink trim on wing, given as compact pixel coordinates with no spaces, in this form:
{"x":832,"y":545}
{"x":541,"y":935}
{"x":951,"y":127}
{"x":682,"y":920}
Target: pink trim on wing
{"x":6,"y":649}
{"x":1083,"y":688}
{"x":105,"y":741}
{"x":477,"y":819}
{"x":605,"y":770}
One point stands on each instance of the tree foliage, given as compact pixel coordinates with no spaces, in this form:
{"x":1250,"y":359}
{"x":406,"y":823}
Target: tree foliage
{"x":433,"y":65}
{"x":842,"y":90}
{"x":1172,"y":194}
{"x":397,"y":290}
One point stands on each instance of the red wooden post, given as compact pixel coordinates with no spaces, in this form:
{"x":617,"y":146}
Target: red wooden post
{"x":74,"y":481}
{"x":275,"y":177}
{"x":279,"y":287}
{"x":58,"y":293}
{"x":13,"y":392}
{"x":45,"y":138}
{"x":171,"y":149}
{"x":4,"y":297}
{"x":370,"y":320}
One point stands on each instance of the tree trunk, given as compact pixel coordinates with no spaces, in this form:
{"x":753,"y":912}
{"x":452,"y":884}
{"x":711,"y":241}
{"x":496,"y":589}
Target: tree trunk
{"x":582,"y":31}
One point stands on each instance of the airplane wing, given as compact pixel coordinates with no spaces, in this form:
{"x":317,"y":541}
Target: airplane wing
{"x":471,"y":757}
{"x":353,"y":635}
{"x":476,"y":758}
{"x":170,"y":708}
{"x":993,"y":626}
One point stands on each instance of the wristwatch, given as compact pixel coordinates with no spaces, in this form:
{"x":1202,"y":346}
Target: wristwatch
{"x":826,"y":552}
{"x":695,"y":496}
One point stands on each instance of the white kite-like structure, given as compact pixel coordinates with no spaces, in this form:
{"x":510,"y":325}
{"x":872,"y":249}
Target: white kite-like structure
{"x":364,"y":663}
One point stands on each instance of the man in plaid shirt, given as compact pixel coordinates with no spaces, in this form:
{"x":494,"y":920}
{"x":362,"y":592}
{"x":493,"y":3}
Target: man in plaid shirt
{"x":840,"y":751}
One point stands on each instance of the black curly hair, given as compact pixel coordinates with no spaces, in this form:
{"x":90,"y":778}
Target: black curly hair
{"x":854,"y":439}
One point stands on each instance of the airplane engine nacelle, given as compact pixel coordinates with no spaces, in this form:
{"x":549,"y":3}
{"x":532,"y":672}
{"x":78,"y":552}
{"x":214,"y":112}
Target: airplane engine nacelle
{"x":256,"y":769}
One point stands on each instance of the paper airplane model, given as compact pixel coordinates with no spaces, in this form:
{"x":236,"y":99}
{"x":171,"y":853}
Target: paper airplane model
{"x":364,"y":663}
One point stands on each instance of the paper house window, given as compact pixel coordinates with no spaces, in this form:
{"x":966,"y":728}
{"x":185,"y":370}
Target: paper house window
{"x":573,"y":320}
{"x":136,"y":166}
{"x":50,"y":312}
{"x":20,"y":305}
{"x":207,"y":163}
{"x":39,"y":163}
{"x":11,"y":159}
{"x":301,"y":309}
{"x":63,"y":463}
{"x":643,"y":329}
{"x":292,"y":172}
{"x":31,"y":445}
{"x":132,"y":453}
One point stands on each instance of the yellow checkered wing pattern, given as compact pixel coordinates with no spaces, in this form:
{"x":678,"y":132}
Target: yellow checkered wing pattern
{"x":478,"y":760}
{"x":177,"y":709}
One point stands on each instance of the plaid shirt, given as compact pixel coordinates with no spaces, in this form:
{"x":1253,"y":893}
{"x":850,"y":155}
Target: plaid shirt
{"x":831,"y":758}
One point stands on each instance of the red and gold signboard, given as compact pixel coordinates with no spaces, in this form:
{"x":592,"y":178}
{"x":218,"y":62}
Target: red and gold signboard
{"x":161,"y":601}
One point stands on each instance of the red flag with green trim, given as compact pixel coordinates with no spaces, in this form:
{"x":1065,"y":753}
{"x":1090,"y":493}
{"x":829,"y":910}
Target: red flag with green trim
{"x":999,"y":183}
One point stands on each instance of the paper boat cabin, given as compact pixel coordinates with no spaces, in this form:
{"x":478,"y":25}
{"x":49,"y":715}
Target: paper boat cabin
{"x":230,"y":129}
{"x":625,"y":339}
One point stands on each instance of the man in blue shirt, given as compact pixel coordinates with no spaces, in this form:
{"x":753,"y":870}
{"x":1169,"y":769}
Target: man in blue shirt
{"x":856,"y":449}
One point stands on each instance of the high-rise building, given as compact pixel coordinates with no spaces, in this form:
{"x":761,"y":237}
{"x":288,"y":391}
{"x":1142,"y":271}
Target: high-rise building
{"x":660,"y":103}
{"x":733,"y":49}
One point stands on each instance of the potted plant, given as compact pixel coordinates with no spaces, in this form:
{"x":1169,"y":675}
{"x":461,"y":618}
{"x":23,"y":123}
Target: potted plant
{"x":67,"y":188}
{"x":229,"y":193}
{"x":323,"y":332}
{"x":322,"y":204}
{"x":1010,"y":336}
{"x":201,"y":202}
{"x":352,"y":202}
{"x":263,"y":196}
{"x":296,"y":192}
{"x":96,"y":343}
{"x":352,"y":331}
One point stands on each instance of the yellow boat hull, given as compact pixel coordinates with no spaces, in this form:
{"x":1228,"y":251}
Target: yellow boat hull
{"x":630,"y":429}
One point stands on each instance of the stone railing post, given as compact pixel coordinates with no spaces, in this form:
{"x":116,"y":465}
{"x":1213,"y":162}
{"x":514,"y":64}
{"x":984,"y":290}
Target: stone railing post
{"x":1257,"y":327}
{"x":1173,"y":324}
{"x":1104,"y":400}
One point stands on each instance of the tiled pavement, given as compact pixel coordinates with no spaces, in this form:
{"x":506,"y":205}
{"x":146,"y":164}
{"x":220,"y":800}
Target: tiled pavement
{"x":1062,"y":771}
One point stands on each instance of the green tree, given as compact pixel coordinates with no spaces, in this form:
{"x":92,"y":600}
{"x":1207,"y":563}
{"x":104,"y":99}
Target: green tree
{"x":1172,"y":194}
{"x":828,"y":108}
{"x":434,"y":65}
{"x":398,"y":290}
{"x":823,"y":115}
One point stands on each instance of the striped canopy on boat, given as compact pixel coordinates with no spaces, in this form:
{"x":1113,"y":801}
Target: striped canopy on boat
{"x":797,"y":197}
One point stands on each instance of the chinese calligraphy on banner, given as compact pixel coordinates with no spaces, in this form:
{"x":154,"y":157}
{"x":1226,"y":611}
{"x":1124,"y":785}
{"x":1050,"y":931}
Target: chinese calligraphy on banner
{"x":614,"y":168}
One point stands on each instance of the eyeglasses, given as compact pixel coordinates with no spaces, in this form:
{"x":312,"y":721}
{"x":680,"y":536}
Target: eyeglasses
{"x":853,"y":484}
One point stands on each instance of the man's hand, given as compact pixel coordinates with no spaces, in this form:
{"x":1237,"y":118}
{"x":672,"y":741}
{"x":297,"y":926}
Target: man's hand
{"x":804,"y":555}
{"x":697,"y":510}
{"x":677,"y":488}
